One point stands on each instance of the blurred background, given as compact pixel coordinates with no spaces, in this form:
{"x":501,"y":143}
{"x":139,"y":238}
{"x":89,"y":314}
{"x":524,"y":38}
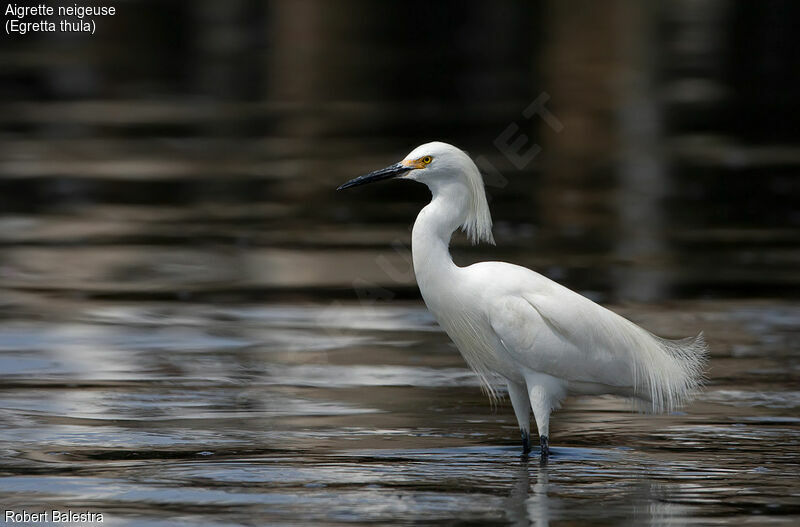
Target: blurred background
{"x":178,"y":274}
{"x":192,"y":148}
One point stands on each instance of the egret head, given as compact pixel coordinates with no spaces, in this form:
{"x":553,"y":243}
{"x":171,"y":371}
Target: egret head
{"x":448,"y":172}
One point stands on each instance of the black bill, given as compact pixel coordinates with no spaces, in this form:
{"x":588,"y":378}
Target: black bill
{"x":398,"y":169}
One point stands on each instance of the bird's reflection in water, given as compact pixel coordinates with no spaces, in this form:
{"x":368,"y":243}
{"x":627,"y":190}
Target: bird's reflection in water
{"x":529,"y":504}
{"x":537,"y":503}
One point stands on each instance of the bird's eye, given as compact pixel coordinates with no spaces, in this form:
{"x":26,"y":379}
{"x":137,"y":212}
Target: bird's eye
{"x":427,"y":160}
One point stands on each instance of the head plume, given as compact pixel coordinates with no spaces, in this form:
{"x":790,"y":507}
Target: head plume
{"x":447,"y":159}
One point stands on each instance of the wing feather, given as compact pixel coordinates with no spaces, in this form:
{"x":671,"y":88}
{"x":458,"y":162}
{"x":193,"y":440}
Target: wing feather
{"x":556,"y":331}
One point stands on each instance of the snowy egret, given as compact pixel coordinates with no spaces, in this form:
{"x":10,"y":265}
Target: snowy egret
{"x":516,"y":326}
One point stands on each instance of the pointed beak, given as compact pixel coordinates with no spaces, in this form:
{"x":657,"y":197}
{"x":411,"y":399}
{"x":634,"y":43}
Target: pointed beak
{"x":392,"y":171}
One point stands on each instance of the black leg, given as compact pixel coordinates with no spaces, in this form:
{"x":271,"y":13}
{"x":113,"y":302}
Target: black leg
{"x":526,"y":443}
{"x":545,"y":447}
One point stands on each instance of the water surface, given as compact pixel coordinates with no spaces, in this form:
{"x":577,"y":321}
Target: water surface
{"x":161,"y":413}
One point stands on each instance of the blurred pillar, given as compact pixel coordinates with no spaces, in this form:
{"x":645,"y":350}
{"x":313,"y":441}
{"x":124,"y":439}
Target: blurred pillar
{"x":302,"y":61}
{"x":580,"y":62}
{"x":658,"y":72}
{"x":221,"y":71}
{"x":642,"y":174}
{"x":604,"y":173}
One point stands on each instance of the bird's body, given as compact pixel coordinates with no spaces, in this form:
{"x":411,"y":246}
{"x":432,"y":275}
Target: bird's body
{"x":513,"y":325}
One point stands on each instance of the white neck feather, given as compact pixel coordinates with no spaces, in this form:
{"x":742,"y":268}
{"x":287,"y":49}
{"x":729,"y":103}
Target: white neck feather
{"x":459,"y":200}
{"x":452,"y":206}
{"x":430,"y":241}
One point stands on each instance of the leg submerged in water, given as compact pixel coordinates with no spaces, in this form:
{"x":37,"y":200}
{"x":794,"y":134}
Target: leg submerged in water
{"x":522,"y":410}
{"x":544,"y":446}
{"x":546,"y":394}
{"x":526,"y":443}
{"x":543,"y":425}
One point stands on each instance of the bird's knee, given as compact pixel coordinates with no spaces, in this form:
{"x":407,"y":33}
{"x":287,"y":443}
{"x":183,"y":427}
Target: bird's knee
{"x":543,"y":403}
{"x":545,"y":394}
{"x":542,"y":422}
{"x":539,"y":397}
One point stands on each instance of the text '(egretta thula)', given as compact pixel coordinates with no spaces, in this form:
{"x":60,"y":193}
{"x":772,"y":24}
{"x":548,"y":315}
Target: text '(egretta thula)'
{"x":513,"y":325}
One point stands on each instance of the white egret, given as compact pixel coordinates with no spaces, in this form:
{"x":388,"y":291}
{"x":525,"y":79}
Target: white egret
{"x":516,"y":326}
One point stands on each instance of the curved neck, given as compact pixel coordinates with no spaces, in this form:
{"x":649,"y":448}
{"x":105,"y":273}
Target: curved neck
{"x":430,"y":238}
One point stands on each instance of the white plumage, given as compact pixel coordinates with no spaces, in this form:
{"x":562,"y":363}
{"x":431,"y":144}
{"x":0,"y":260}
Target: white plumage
{"x":516,"y":326}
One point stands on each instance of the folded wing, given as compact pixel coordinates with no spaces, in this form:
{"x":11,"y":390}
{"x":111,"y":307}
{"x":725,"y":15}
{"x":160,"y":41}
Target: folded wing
{"x":556,"y":331}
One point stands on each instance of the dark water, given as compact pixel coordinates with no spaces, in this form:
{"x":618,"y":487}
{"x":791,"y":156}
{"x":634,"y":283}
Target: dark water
{"x":195,"y":328}
{"x":160,"y":413}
